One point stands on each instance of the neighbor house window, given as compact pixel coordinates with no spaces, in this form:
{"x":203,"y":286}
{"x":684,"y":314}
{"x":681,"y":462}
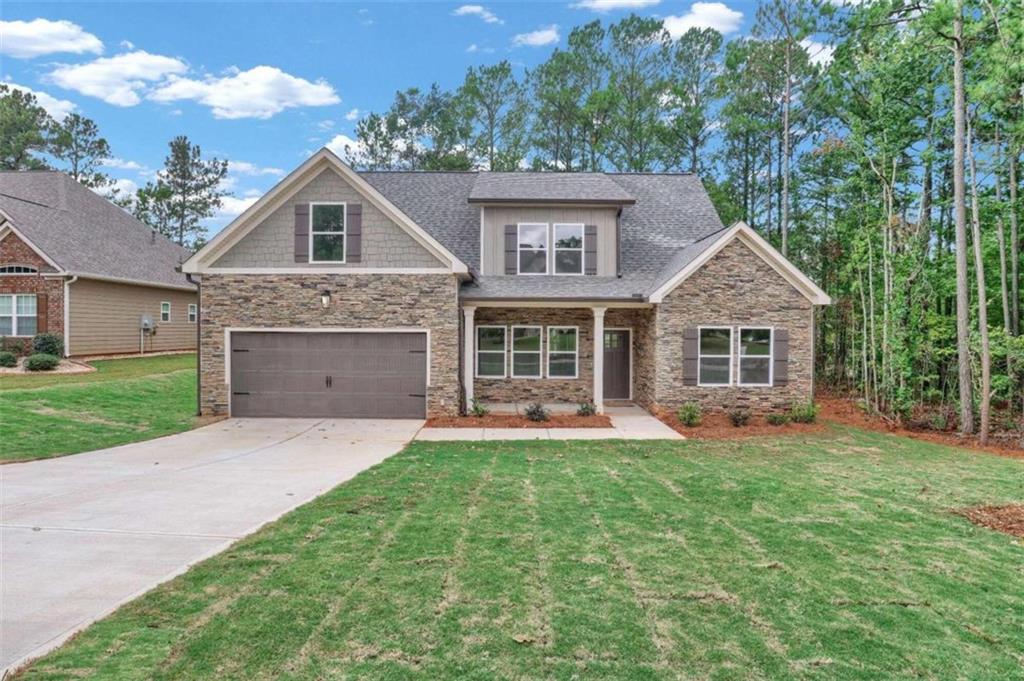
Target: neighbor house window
{"x":568,"y":249}
{"x":18,"y":269}
{"x":327,"y":232}
{"x":192,"y":313}
{"x":490,"y":351}
{"x":18,"y":315}
{"x":715,"y":356}
{"x":563,"y":351}
{"x":165,"y":312}
{"x":533,"y":248}
{"x":526,"y":342}
{"x":755,"y":356}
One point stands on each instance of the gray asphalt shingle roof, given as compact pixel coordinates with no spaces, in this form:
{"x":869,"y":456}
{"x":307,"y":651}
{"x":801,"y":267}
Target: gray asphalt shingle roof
{"x":548,"y":187}
{"x":86,"y":234}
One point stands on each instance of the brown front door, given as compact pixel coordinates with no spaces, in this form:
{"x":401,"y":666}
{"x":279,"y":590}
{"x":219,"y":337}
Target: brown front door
{"x":616,"y":364}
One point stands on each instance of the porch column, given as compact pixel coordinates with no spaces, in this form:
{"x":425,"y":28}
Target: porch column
{"x":469,"y":352}
{"x":599,"y":358}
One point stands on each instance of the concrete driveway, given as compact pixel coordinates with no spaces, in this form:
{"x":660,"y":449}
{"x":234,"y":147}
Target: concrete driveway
{"x":83,"y":534}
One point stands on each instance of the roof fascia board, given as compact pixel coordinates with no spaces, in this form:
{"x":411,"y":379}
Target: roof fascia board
{"x":9,"y":228}
{"x":122,"y":280}
{"x":555,"y":202}
{"x":553,"y":303}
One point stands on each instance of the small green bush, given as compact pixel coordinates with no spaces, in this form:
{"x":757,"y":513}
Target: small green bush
{"x":777,"y":418}
{"x":739,"y":417}
{"x":42,"y":362}
{"x":48,"y":344}
{"x":478,"y":408}
{"x":586,"y":409}
{"x":15,"y":345}
{"x":689,"y":414}
{"x":803,"y":413}
{"x":8,"y":359}
{"x":537,"y":412}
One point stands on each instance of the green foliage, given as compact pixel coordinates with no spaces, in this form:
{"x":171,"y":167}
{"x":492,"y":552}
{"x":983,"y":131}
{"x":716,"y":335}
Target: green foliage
{"x":48,"y":344}
{"x":805,"y":412}
{"x":739,"y":417}
{"x":689,"y":414}
{"x":8,"y":359}
{"x":42,"y":362}
{"x":586,"y":409}
{"x":537,"y":412}
{"x":478,"y":409}
{"x":76,"y":141}
{"x":15,"y":345}
{"x":24,"y":130}
{"x":777,"y":418}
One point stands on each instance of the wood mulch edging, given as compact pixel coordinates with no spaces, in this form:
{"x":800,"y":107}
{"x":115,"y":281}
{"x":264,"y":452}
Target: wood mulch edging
{"x":719,"y":427}
{"x":516,"y":421}
{"x":1008,"y":519}
{"x":66,"y":366}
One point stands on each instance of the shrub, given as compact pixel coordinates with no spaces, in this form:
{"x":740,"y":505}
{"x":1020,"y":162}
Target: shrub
{"x":8,"y":359}
{"x":689,"y":414}
{"x":478,"y":408}
{"x":777,"y":418}
{"x":586,"y":409}
{"x":42,"y":362}
{"x":537,"y":412}
{"x":739,"y":417}
{"x":15,"y":345}
{"x":803,"y":413}
{"x":48,"y":344}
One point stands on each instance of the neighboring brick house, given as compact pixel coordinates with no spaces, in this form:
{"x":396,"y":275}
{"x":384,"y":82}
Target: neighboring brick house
{"x":410,"y":294}
{"x":74,"y":264}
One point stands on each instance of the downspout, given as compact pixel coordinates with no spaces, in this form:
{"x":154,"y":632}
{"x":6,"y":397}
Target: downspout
{"x":199,"y":357}
{"x":67,"y":313}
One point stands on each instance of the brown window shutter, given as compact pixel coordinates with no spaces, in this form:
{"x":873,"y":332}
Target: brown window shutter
{"x":302,"y":232}
{"x":42,"y":316}
{"x":691,"y":357}
{"x":780,"y":360}
{"x":511,"y":249}
{"x":590,"y":249}
{"x":354,"y":232}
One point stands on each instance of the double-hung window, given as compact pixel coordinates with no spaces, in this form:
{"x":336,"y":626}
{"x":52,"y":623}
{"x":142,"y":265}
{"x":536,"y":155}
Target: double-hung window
{"x":532,"y":247}
{"x":165,"y":312}
{"x":756,"y":356}
{"x":568,"y":249}
{"x":490,"y":351}
{"x":17,"y":315}
{"x":327,"y":232}
{"x":563,"y":351}
{"x":526,"y":351}
{"x":715,"y":356}
{"x":193,"y":312}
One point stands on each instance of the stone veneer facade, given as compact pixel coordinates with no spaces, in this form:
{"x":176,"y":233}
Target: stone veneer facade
{"x":14,"y":251}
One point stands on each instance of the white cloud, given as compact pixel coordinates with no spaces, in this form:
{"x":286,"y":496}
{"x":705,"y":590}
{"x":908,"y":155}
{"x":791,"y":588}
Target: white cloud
{"x":117,"y":80}
{"x":233,"y":206}
{"x":609,"y":5}
{"x":714,"y":15}
{"x":539,"y":38}
{"x":473,"y":48}
{"x":260,"y":92}
{"x":122,"y":164}
{"x":352,"y":115}
{"x":477,"y":11}
{"x":325,"y":124}
{"x":127,"y":45}
{"x":122,"y":187}
{"x":345,"y":147}
{"x":58,"y":108}
{"x":26,"y":39}
{"x":819,"y":54}
{"x":246,"y":168}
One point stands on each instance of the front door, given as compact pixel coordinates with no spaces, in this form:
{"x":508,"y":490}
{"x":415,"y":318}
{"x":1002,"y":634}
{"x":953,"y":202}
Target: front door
{"x":616,"y":364}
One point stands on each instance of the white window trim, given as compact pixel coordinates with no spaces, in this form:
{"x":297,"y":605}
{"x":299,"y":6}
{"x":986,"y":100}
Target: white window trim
{"x":162,"y":320}
{"x":539,"y":352}
{"x":555,"y":249}
{"x":15,"y":316}
{"x":193,"y":313}
{"x":547,"y":249}
{"x":740,"y":356}
{"x":31,"y":273}
{"x":343,"y":232}
{"x":575,"y":353}
{"x":504,"y":351}
{"x":700,"y":356}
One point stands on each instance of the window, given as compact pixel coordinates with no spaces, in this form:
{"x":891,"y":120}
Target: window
{"x":526,"y":342}
{"x":165,"y":312}
{"x":715,"y":356}
{"x":756,"y":356}
{"x":533,"y":248}
{"x":327,"y":232}
{"x":18,"y":315}
{"x":563,"y":350}
{"x":18,"y":269}
{"x":192,"y":313}
{"x":490,"y":351}
{"x":568,"y":249}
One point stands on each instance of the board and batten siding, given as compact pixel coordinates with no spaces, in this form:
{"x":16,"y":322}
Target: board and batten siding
{"x":105,"y":318}
{"x":496,"y":217}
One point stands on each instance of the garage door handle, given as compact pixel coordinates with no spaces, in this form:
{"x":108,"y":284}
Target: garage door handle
{"x":418,"y":352}
{"x":239,"y":350}
{"x":239,"y":393}
{"x":416,"y":395}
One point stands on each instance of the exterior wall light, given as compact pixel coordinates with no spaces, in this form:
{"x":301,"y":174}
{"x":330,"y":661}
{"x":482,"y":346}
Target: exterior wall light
{"x":325,"y":299}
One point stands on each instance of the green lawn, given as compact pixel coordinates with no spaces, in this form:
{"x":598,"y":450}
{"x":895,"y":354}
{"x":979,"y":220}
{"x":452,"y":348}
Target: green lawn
{"x":124,"y":400}
{"x":826,"y":557}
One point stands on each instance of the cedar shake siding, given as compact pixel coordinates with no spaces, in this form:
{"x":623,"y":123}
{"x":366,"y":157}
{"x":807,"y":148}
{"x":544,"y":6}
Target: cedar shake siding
{"x":49,"y":316}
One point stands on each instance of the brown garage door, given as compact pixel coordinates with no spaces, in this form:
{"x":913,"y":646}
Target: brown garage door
{"x":329,"y":374}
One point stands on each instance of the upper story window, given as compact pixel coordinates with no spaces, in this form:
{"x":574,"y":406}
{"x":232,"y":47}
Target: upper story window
{"x":18,"y":315}
{"x":715,"y":356}
{"x":568,"y":249}
{"x":755,"y":356}
{"x":165,"y":311}
{"x":327,"y":232}
{"x":18,"y":269}
{"x":532,"y":248}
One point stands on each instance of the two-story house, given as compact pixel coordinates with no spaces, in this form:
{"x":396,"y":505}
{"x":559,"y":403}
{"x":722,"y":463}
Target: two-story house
{"x":408,"y":294}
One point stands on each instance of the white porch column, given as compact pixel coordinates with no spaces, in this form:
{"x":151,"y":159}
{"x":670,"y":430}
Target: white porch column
{"x":469,"y":352}
{"x":599,"y":358}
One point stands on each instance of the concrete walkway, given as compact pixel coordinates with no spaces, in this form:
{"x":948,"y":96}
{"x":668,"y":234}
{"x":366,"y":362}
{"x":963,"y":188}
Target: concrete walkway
{"x":628,"y":423}
{"x":82,"y":534}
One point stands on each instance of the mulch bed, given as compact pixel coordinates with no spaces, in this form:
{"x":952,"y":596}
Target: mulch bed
{"x":1008,"y":519}
{"x":516,"y":421}
{"x":66,"y":366}
{"x":718,"y":427}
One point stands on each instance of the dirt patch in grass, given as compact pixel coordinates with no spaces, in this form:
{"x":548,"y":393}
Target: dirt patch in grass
{"x":1008,"y":519}
{"x":516,"y":421}
{"x":719,"y":427}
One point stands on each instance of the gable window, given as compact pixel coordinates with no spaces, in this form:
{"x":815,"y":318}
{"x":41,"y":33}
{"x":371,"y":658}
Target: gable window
{"x":165,"y":312}
{"x":563,"y":351}
{"x":756,"y":356}
{"x":568,"y":249}
{"x":18,"y":315}
{"x":490,"y":351}
{"x":526,"y":342}
{"x":715,"y":356}
{"x":532,"y":244}
{"x":18,"y":269}
{"x":192,"y":313}
{"x":327,"y":232}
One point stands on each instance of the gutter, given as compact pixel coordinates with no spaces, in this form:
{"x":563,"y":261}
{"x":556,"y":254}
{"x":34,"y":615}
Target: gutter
{"x":199,"y":357}
{"x":67,"y":313}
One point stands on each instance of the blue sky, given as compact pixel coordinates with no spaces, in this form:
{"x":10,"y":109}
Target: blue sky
{"x":265,"y":84}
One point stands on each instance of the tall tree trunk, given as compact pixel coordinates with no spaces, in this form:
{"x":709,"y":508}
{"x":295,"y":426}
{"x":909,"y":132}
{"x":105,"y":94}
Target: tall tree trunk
{"x":979,"y":274}
{"x":784,"y":217}
{"x":1014,"y":243}
{"x":1004,"y":291}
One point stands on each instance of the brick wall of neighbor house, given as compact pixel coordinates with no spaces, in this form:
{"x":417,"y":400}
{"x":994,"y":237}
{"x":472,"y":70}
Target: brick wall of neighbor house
{"x":358,"y":301}
{"x":14,"y":251}
{"x":736,"y":287}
